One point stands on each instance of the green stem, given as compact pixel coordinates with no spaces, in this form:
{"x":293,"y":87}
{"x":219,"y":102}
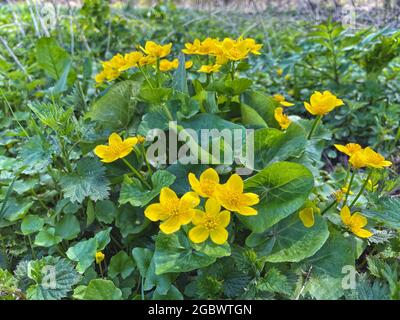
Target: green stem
{"x":314,"y":126}
{"x":31,"y":246}
{"x":328,"y":207}
{"x":101,"y":270}
{"x":361,"y":190}
{"x":136,"y":172}
{"x":145,"y":159}
{"x":146,"y":77}
{"x":169,"y":114}
{"x":349,"y":187}
{"x":233,"y":70}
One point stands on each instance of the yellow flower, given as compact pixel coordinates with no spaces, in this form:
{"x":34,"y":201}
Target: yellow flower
{"x":99,"y":257}
{"x":211,"y":223}
{"x":349,"y":148}
{"x":251,"y":45}
{"x":279,"y":71}
{"x":209,"y":68}
{"x":131,"y":60}
{"x":100,"y":77}
{"x":156,"y":50}
{"x":287,"y":77}
{"x":282,"y":101}
{"x":235,"y":50}
{"x":116,"y":149}
{"x":282,"y":118}
{"x":172,"y":211}
{"x":355,"y":222}
{"x":140,"y":139}
{"x":166,"y":65}
{"x":205,"y":188}
{"x":147,"y":60}
{"x":306,"y":216}
{"x":368,"y":158}
{"x":230,"y":195}
{"x":188,"y":64}
{"x":322,"y":103}
{"x":192,"y":48}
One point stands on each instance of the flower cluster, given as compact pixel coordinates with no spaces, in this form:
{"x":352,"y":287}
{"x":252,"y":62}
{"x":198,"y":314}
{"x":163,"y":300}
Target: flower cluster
{"x":151,"y":54}
{"x":173,"y":212}
{"x":223,"y":51}
{"x":360,"y":157}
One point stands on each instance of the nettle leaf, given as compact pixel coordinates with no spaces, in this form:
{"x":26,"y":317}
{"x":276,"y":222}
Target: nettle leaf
{"x":175,"y":253}
{"x":272,"y":145}
{"x":35,"y":155}
{"x":275,"y":282}
{"x":53,"y":278}
{"x":101,"y":289}
{"x":51,"y":57}
{"x":289,"y":240}
{"x":114,"y":110}
{"x":385,"y":210}
{"x":327,"y":264}
{"x":87,"y":180}
{"x":283,"y":187}
{"x":137,"y":195}
{"x":121,"y":264}
{"x":31,"y":224}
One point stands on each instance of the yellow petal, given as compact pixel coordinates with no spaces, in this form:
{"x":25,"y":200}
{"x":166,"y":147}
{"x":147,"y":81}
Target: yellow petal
{"x":170,"y":225}
{"x":219,"y":235}
{"x":155,"y":212}
{"x":114,"y":139}
{"x":212,"y":206}
{"x":250,"y":199}
{"x":362,"y":233}
{"x":101,"y":151}
{"x":198,"y":217}
{"x":358,"y":220}
{"x":186,"y":216}
{"x":209,"y":174}
{"x":345,"y":215}
{"x":235,"y":183}
{"x":189,"y":200}
{"x":198,"y":234}
{"x":247,"y":211}
{"x":195,"y":184}
{"x":286,"y":104}
{"x":130,"y":142}
{"x":224,"y":218}
{"x":307,"y":217}
{"x":109,"y":158}
{"x":309,"y":108}
{"x":167,"y":195}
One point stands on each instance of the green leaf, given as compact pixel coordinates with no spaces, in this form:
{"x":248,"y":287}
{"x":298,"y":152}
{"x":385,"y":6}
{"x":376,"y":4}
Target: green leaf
{"x":275,"y":282}
{"x":272,"y":145}
{"x":31,"y":224}
{"x":35,"y":155}
{"x":105,"y":211}
{"x":87,"y":180}
{"x":155,"y":96}
{"x":103,"y":238}
{"x":174,"y":253}
{"x":15,"y":210}
{"x":90,"y":213}
{"x":121,"y":264}
{"x":180,"y":81}
{"x":84,"y":253}
{"x":327,"y":264}
{"x":114,"y":110}
{"x":142,"y":258}
{"x":132,"y":190}
{"x":283,"y":187}
{"x":290,"y":241}
{"x":131,"y":220}
{"x":263,"y":105}
{"x":385,"y":210}
{"x":251,"y":117}
{"x":53,"y":278}
{"x":47,"y":238}
{"x":51,"y":57}
{"x":172,"y":294}
{"x":100,"y":289}
{"x":68,"y":227}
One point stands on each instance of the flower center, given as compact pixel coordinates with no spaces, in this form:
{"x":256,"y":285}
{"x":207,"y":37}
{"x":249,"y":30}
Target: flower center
{"x":233,"y":198}
{"x":210,"y":224}
{"x":173,"y":207}
{"x":208,"y":187}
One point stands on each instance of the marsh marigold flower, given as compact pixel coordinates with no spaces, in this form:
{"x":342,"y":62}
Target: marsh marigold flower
{"x":230,"y":195}
{"x":204,"y":187}
{"x":210,"y":68}
{"x":156,"y":50}
{"x":211,"y":223}
{"x":368,"y":158}
{"x":116,"y":149}
{"x":349,"y":149}
{"x":282,"y":100}
{"x":355,"y":222}
{"x":172,"y":211}
{"x":282,"y":118}
{"x":279,"y":71}
{"x":99,"y":257}
{"x":322,"y":103}
{"x":131,"y":60}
